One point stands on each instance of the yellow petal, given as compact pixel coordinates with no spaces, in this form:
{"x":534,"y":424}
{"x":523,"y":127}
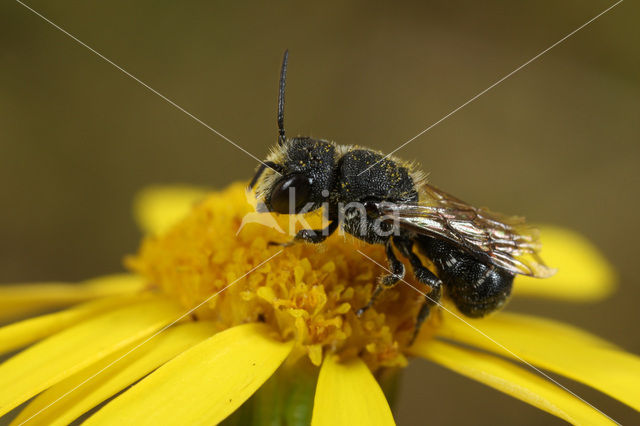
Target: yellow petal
{"x":347,"y":394}
{"x":61,"y":355}
{"x":512,"y":380}
{"x":556,"y":347}
{"x":21,"y":299}
{"x":67,"y":400}
{"x":583,"y":272}
{"x":159,"y":207}
{"x":202,"y":385}
{"x":21,"y":334}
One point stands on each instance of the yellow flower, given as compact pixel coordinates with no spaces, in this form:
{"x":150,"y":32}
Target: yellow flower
{"x":275,"y":329}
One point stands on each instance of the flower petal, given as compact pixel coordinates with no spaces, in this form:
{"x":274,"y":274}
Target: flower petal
{"x":23,"y":333}
{"x":65,"y":401}
{"x":21,"y":299}
{"x":202,"y":385}
{"x":348,"y":394}
{"x":583,"y":272}
{"x":159,"y":207}
{"x":553,"y":346}
{"x":512,"y":380}
{"x":63,"y":354}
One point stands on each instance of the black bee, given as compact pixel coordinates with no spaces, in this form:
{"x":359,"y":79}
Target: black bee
{"x":476,"y":253}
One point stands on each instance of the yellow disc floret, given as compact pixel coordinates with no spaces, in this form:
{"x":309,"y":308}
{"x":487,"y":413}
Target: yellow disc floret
{"x":308,"y":293}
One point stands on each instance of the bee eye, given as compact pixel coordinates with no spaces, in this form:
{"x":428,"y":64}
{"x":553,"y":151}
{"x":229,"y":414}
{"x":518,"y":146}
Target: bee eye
{"x":300,"y":188}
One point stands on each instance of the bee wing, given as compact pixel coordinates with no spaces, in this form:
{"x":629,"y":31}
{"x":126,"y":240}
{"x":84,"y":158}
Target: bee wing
{"x":504,"y":241}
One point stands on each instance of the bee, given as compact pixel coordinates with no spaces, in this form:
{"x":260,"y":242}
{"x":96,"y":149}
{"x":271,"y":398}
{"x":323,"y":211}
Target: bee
{"x":475,"y":253}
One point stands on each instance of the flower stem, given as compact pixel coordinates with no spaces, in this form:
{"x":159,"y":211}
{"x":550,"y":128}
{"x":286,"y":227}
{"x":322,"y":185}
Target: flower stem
{"x":285,"y":399}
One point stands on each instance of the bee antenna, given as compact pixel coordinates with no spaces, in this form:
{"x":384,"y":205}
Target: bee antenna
{"x":283,"y":78}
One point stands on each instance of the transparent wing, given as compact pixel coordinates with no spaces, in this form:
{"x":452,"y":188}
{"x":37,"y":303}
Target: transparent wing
{"x":505,"y":241}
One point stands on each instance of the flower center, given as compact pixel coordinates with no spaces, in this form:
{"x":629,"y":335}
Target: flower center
{"x":309,"y":293}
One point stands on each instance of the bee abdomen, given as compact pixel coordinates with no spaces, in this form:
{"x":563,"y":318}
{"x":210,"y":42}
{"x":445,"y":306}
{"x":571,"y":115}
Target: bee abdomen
{"x":475,"y":287}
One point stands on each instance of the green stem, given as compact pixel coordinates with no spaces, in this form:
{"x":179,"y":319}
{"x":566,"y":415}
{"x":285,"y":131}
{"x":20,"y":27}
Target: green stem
{"x":286,"y":399}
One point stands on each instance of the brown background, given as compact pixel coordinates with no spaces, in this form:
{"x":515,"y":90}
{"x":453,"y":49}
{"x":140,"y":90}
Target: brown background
{"x":557,"y":142}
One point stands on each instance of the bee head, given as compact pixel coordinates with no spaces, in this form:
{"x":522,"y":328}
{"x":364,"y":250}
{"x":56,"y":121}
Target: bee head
{"x":297,"y":176}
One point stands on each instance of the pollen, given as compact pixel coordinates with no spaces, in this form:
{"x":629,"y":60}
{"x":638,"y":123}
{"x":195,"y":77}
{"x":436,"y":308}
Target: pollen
{"x":306,"y":292}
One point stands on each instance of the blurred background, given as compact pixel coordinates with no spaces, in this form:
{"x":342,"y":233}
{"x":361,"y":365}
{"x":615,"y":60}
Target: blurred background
{"x":557,"y":142}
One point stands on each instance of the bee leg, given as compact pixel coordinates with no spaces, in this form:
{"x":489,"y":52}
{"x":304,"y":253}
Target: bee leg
{"x":314,"y":236}
{"x":261,"y":169}
{"x":430,"y":300}
{"x":424,"y":275}
{"x":386,"y":281}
